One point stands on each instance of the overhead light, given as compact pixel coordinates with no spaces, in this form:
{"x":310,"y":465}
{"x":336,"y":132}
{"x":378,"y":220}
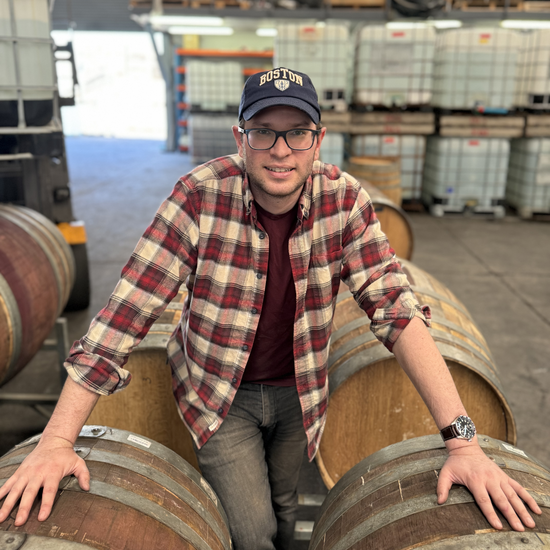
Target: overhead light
{"x":217,"y":31}
{"x":171,"y":20}
{"x":446,"y":24}
{"x":527,"y":24}
{"x":266,"y":32}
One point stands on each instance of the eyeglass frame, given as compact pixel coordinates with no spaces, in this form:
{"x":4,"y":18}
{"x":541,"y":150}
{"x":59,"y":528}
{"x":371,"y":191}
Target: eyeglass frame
{"x":315,"y":133}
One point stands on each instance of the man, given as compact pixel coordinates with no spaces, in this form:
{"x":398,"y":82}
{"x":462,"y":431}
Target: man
{"x":262,"y":240}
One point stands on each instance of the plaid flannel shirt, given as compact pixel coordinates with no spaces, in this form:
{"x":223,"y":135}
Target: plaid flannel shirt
{"x":207,"y":235}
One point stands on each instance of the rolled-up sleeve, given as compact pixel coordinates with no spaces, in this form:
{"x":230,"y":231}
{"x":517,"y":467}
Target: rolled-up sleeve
{"x":164,"y":256}
{"x":374,"y":276}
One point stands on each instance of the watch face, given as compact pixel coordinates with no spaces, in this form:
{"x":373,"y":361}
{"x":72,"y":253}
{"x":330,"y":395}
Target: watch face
{"x":465,"y":427}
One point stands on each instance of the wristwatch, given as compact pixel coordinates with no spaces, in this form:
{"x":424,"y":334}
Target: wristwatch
{"x":462,"y":427}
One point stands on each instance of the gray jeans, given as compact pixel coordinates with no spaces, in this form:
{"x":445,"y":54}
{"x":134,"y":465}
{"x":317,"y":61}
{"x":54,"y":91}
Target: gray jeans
{"x":253,"y":463}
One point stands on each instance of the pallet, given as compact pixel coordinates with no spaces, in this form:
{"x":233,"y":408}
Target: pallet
{"x":217,"y":4}
{"x":487,"y":5}
{"x":536,"y":6}
{"x":526,"y":213}
{"x":388,"y":122}
{"x":467,"y":125}
{"x":356,"y":3}
{"x":335,"y":121}
{"x":537,"y":126}
{"x":413,"y":205}
{"x":440,"y":210}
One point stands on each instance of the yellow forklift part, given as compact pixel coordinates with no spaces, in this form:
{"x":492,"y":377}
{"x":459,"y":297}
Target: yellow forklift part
{"x":74,"y":232}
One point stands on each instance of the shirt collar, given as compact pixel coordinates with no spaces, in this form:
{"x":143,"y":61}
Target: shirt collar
{"x":304,"y":202}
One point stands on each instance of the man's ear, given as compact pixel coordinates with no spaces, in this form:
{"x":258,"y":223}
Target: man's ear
{"x":320,"y":137}
{"x":239,"y":140}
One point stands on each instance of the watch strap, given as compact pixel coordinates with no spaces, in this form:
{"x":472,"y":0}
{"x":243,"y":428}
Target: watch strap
{"x":448,"y":433}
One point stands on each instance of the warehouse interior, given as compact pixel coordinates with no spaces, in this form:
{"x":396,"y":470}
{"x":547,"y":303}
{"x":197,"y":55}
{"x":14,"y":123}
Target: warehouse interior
{"x":147,"y":90}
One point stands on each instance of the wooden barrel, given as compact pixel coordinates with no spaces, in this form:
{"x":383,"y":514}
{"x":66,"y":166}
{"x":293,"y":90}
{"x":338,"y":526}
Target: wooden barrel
{"x":36,"y":276}
{"x":382,"y":172}
{"x":388,"y":502}
{"x":142,"y":496}
{"x":394,"y":221}
{"x":147,"y":406}
{"x":373,"y":403}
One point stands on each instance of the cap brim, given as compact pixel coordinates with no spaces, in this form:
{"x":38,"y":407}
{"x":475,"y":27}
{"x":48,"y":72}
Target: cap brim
{"x":290,"y":101}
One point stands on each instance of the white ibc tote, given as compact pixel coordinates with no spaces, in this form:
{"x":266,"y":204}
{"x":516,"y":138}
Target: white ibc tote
{"x":321,"y":52}
{"x":26,"y":58}
{"x":465,"y":172}
{"x":528,"y":185}
{"x":410,"y":150}
{"x":394,"y":66}
{"x":475,"y":67}
{"x":332,"y":149}
{"x":213,"y":86}
{"x":533,"y":82}
{"x":210,"y":136}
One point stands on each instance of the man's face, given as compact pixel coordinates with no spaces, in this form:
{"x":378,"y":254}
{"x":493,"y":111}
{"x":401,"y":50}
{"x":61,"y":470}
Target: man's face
{"x":278,"y":174}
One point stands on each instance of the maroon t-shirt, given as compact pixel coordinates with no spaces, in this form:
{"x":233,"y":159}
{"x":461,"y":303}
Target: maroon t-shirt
{"x":271,"y":360}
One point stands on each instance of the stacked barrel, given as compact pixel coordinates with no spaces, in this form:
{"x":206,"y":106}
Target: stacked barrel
{"x":36,"y":276}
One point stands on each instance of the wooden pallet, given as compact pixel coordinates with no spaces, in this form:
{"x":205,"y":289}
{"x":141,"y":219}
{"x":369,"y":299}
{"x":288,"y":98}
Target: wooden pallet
{"x":387,"y":122}
{"x":218,"y":4}
{"x":536,"y":6}
{"x":487,"y":5}
{"x":335,"y":121}
{"x":537,"y":126}
{"x":356,"y":3}
{"x":466,"y":125}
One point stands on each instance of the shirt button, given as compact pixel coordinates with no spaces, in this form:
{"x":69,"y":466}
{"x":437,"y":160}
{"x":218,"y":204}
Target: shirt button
{"x":258,"y":275}
{"x":262,"y":235}
{"x":234,"y":380}
{"x":254,"y":310}
{"x":220,"y":410}
{"x":245,"y":347}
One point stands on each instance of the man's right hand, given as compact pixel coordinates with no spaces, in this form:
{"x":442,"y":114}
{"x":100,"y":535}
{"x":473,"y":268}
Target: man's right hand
{"x":52,"y":460}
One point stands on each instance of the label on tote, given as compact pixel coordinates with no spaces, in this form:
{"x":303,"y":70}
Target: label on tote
{"x":135,"y":439}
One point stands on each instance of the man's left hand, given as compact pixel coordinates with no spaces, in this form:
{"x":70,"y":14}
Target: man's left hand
{"x":468,"y":465}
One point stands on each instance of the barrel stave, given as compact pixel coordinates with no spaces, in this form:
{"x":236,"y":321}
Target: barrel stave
{"x":142,"y":495}
{"x":388,"y":501}
{"x":36,"y":276}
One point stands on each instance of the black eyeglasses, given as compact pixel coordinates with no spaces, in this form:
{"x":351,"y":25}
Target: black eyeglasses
{"x":262,"y":139}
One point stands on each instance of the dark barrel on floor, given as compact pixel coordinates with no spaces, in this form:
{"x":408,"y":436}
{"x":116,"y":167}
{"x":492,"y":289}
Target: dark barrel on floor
{"x":388,"y":502}
{"x":373,"y":403}
{"x":142,"y":496}
{"x":36,"y":276}
{"x":393,"y":220}
{"x":147,"y":405}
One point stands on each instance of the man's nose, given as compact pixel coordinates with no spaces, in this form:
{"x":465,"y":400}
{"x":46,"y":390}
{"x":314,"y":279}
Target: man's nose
{"x":281,"y":147}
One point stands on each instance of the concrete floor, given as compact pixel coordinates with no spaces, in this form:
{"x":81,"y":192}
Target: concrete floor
{"x":499,"y":269}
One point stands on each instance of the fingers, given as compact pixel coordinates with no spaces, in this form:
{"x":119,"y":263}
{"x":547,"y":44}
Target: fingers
{"x":26,"y":503}
{"x":444,"y":485}
{"x":82,"y":473}
{"x":483,"y":500}
{"x":508,"y":497}
{"x":525,"y":496}
{"x":48,"y":498}
{"x":16,"y":486}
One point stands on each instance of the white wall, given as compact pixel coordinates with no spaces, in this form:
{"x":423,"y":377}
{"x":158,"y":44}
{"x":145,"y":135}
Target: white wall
{"x":121,"y":92}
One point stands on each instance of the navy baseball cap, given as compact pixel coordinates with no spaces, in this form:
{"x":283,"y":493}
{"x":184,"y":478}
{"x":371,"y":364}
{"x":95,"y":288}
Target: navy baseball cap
{"x":279,"y":86}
